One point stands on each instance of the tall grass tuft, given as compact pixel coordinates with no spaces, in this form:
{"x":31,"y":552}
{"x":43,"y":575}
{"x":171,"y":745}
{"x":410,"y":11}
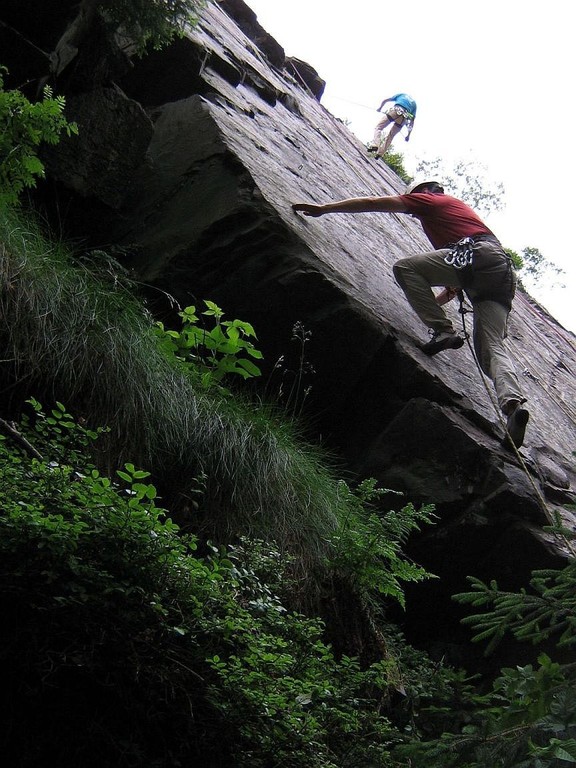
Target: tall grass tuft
{"x":79,"y":335}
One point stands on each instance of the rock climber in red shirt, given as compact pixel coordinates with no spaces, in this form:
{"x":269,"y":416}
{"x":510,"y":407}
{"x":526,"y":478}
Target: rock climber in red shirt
{"x":467,"y":257}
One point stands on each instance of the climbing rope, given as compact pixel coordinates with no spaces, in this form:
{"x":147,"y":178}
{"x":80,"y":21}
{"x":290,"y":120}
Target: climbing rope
{"x":355,"y":103}
{"x":552,"y":519}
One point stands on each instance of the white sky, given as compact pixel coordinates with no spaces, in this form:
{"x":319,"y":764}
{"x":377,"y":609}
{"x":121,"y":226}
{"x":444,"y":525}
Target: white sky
{"x":494,"y":83}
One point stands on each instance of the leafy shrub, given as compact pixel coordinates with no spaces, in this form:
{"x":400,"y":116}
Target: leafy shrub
{"x":23,"y":127}
{"x":395,"y":161}
{"x":210,"y":355}
{"x":123,"y":645}
{"x":546,"y":609}
{"x":528,"y":719}
{"x":153,"y":22}
{"x":78,"y":330}
{"x":367,"y":548}
{"x":517,"y":261}
{"x":282,"y":689}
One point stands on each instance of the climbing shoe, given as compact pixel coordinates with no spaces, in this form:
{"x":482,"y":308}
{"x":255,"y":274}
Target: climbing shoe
{"x":442,"y":340}
{"x":372,"y":148}
{"x":516,"y":427}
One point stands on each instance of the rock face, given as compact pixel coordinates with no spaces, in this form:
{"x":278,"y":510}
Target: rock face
{"x":190,"y":160}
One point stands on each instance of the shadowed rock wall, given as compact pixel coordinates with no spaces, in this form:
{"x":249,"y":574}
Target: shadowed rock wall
{"x":189,"y":159}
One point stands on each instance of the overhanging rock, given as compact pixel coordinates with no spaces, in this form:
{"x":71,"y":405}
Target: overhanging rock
{"x":210,"y":216}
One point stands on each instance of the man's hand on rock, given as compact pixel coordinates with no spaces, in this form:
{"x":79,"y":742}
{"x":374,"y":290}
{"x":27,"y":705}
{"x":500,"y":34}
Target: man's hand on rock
{"x":308,"y":209}
{"x":446,"y":295}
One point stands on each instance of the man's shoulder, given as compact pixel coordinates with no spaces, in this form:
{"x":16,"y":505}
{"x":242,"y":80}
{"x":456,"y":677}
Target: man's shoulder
{"x":428,"y":199}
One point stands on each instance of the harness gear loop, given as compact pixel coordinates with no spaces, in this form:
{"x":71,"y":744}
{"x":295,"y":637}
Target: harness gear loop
{"x":461,"y":254}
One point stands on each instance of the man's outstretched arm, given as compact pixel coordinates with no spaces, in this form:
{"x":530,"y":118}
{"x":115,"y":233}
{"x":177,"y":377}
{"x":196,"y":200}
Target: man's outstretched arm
{"x":385,"y":101}
{"x":389,"y":204}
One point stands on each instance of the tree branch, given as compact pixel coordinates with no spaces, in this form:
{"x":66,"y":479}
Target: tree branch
{"x":20,"y":439}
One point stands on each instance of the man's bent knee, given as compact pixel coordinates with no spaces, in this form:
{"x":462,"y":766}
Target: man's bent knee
{"x":401,"y":268}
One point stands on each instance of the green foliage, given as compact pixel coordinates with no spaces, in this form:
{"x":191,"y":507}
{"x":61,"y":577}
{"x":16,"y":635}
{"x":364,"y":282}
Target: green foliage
{"x":395,"y":161}
{"x":528,"y":720}
{"x":72,"y":440}
{"x":367,"y":547}
{"x":465,"y":180}
{"x":24,"y":126}
{"x":517,"y":261}
{"x":435,"y":696}
{"x":532,"y":720}
{"x":94,"y":582}
{"x":78,"y":328}
{"x":210,"y":355}
{"x":292,"y":702}
{"x":123,"y":646}
{"x":153,"y":22}
{"x":546,"y":610}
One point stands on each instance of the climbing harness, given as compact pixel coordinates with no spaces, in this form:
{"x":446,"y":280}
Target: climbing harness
{"x":399,"y":115}
{"x":461,"y":254}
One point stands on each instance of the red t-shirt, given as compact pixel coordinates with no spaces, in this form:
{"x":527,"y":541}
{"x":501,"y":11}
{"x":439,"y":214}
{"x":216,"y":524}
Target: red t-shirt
{"x":444,"y":219}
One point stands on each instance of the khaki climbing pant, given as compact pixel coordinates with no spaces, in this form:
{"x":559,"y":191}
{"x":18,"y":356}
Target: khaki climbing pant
{"x":397,"y":116}
{"x":417,"y":274}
